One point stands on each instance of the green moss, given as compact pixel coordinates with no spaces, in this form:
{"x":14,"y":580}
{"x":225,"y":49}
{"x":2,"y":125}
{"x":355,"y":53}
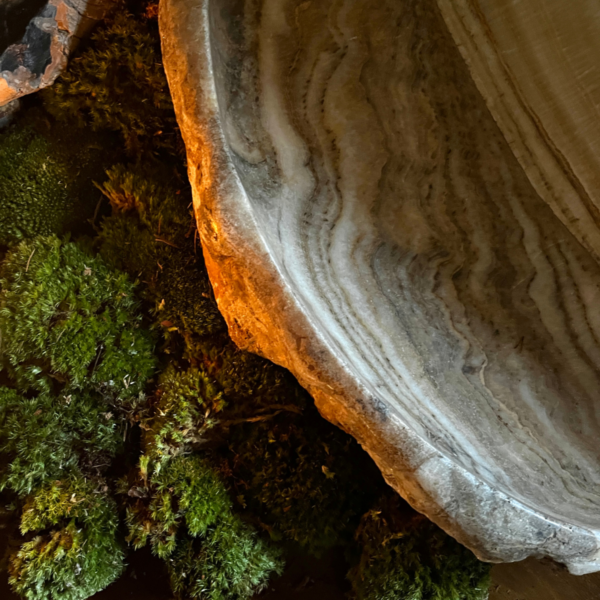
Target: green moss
{"x":306,"y":480}
{"x":130,"y":247}
{"x":406,"y":556}
{"x":75,"y":552}
{"x":35,"y":194}
{"x":184,"y":511}
{"x":151,"y":235}
{"x":185,"y":406}
{"x":47,"y":437}
{"x":46,"y":173}
{"x":135,"y":190}
{"x":183,"y":494}
{"x":67,"y":318}
{"x":248,"y":380}
{"x":73,"y":344}
{"x":118,"y":83}
{"x":229,"y":563}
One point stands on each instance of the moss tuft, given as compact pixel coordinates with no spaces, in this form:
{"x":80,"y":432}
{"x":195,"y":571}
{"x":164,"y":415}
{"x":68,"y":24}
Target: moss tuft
{"x":35,"y":192}
{"x":67,"y":318}
{"x":183,"y":509}
{"x":230,"y":562}
{"x":406,"y":556}
{"x":75,"y":552}
{"x":118,"y":83}
{"x":185,"y":407}
{"x":299,"y":474}
{"x":152,"y":236}
{"x":47,"y":437}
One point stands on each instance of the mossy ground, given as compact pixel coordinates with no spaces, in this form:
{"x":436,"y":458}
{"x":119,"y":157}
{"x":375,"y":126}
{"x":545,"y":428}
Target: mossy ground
{"x":47,"y":171}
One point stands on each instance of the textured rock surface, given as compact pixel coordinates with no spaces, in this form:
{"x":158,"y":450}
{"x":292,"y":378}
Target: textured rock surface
{"x":366,"y":224}
{"x":32,"y":54}
{"x":8,"y":111}
{"x":536,"y":64}
{"x":14,"y":18}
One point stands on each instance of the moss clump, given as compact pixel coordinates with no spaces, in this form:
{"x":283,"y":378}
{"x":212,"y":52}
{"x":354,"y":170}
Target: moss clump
{"x":183,"y":494}
{"x":406,"y":556}
{"x":185,"y":407}
{"x":298,"y":473}
{"x":184,"y":511}
{"x":67,"y":317}
{"x":249,"y":381}
{"x":75,"y":552}
{"x":74,"y":347}
{"x":46,"y":173}
{"x":230,"y":562}
{"x":35,"y":191}
{"x":118,"y":83}
{"x":289,"y":469}
{"x":152,"y":235}
{"x":46,"y":437}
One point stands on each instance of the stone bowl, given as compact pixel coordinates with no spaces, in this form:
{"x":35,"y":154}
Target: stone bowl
{"x":367,"y":225}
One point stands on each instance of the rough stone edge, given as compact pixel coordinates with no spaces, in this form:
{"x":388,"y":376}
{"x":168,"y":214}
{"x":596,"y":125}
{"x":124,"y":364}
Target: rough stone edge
{"x":8,"y":112}
{"x":73,"y":20}
{"x":249,"y":293}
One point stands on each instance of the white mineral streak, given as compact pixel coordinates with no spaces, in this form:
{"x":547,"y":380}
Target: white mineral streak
{"x":366,"y":224}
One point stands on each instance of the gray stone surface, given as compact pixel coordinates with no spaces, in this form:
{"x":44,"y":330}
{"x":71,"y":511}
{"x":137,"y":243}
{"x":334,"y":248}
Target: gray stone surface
{"x":8,"y":111}
{"x":38,"y":50}
{"x":366,"y":224}
{"x":15,"y":15}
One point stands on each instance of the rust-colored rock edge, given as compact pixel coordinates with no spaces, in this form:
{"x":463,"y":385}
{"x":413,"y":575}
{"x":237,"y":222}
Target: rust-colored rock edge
{"x":50,"y":38}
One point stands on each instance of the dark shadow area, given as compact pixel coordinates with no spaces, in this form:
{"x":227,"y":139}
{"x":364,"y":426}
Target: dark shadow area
{"x":14,"y":18}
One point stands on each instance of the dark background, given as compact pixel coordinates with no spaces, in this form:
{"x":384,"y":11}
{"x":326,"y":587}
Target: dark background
{"x":14,"y":17}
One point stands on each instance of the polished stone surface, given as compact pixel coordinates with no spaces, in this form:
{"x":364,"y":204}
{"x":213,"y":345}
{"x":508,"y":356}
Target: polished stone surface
{"x":537,"y":65}
{"x":367,"y":225}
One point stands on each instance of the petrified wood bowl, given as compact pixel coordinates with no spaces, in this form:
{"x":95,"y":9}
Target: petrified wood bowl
{"x":367,"y":225}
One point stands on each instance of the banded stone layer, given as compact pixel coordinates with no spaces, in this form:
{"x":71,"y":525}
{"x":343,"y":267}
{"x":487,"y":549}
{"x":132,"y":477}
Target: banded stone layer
{"x":537,"y":65}
{"x":366,"y":225}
